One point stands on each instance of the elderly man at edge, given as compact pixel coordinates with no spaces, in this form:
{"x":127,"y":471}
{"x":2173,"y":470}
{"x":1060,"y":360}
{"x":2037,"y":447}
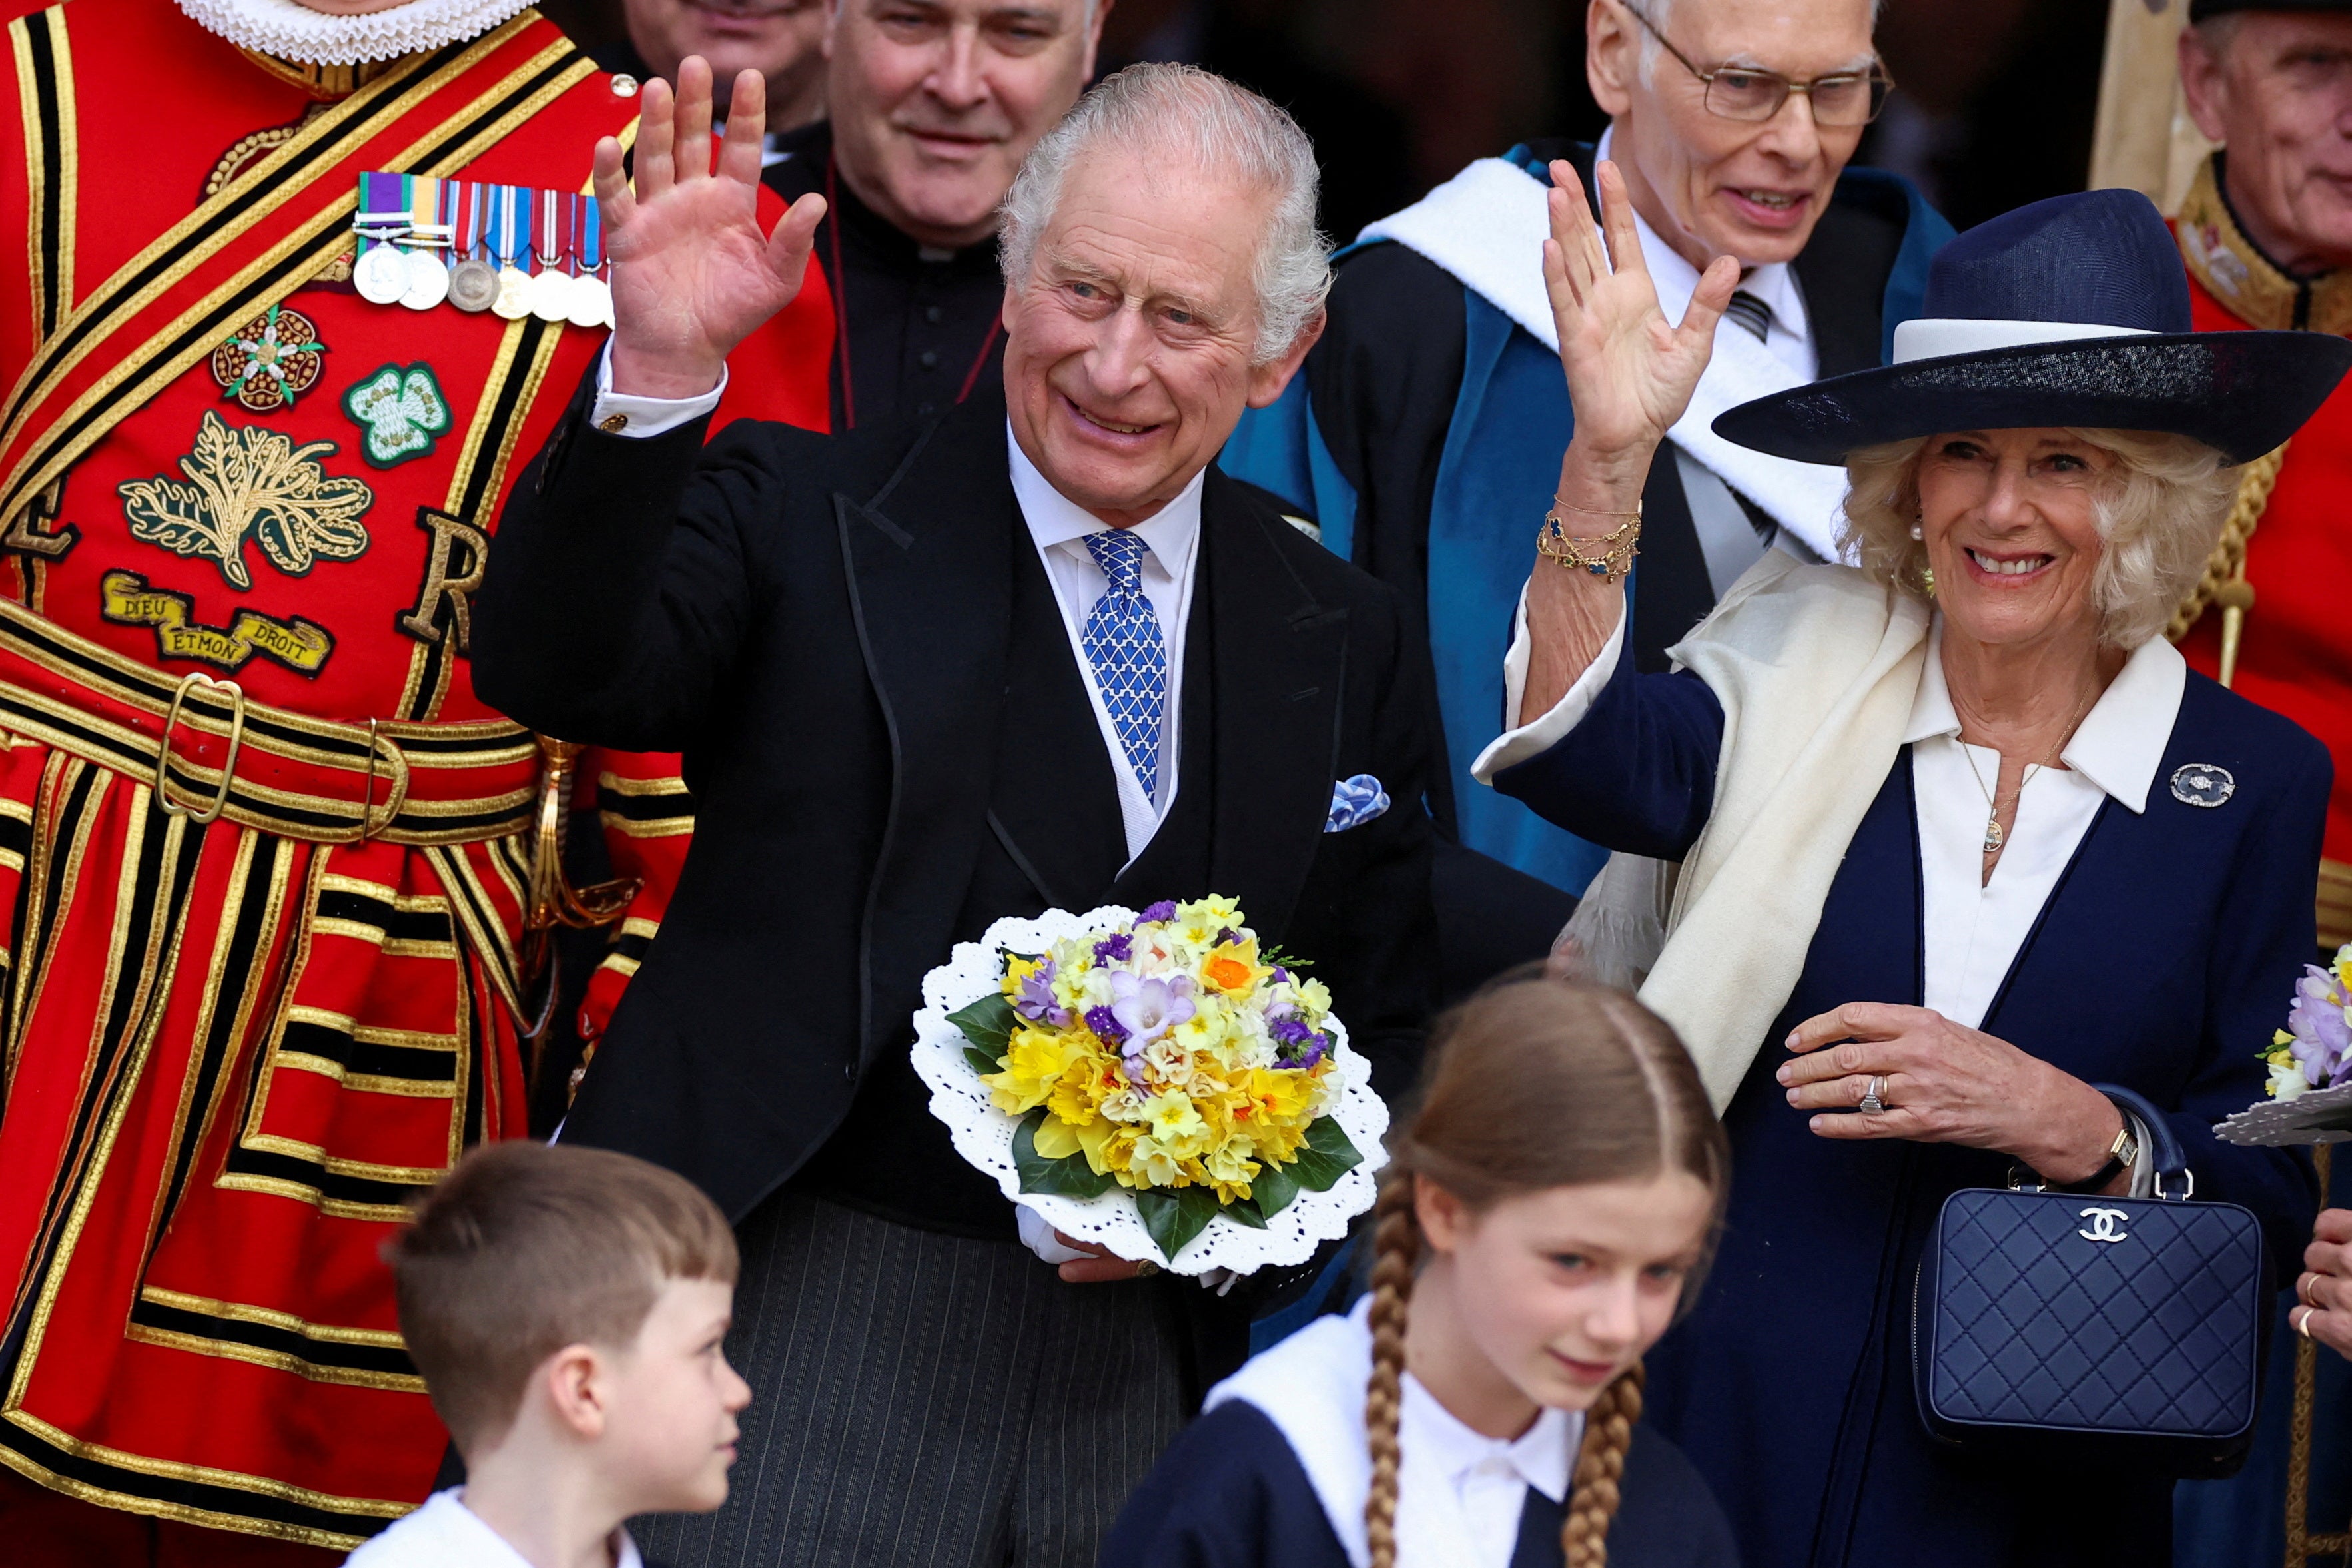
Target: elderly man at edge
{"x":1425,"y":430}
{"x":2267,"y":232}
{"x":1950,"y":857}
{"x":890,"y":656}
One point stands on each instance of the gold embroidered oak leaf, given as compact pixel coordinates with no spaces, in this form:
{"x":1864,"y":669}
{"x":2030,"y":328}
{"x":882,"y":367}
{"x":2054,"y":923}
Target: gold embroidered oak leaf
{"x":251,"y":481}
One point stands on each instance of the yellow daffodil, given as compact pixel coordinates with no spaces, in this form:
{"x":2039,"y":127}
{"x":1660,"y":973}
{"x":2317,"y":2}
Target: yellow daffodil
{"x":1034,"y":1065}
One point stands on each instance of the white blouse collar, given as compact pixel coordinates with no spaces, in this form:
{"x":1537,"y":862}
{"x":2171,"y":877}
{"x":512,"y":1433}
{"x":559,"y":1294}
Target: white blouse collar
{"x":2120,"y":744}
{"x":289,"y":31}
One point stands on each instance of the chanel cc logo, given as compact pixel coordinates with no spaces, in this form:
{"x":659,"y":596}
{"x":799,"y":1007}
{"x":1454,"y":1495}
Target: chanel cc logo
{"x":2103,"y":1225}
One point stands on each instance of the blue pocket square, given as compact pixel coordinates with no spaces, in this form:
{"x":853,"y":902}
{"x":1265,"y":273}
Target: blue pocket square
{"x":1355,"y":802}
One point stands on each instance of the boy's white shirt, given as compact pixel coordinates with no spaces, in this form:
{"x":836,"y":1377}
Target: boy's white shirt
{"x":445,"y":1534}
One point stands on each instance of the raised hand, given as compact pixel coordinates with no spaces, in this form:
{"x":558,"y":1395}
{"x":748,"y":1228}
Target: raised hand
{"x":692,"y":274}
{"x":1629,"y":372}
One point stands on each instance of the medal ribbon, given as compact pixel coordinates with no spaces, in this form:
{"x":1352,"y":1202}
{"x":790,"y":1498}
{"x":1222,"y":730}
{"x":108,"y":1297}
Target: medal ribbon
{"x":567,"y":242}
{"x":469,"y":215}
{"x":504,"y":227}
{"x":424,"y":193}
{"x":544,"y":206}
{"x":591,"y":235}
{"x":383,"y":217}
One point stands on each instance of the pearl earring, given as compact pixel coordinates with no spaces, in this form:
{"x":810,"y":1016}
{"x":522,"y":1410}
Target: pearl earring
{"x":1918,"y":532}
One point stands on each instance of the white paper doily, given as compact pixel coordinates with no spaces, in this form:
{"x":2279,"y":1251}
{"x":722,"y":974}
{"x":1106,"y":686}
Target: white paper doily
{"x":983,"y":1134}
{"x":2317,"y":1116}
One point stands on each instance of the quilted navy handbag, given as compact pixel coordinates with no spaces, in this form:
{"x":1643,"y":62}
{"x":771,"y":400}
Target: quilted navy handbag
{"x":2101,"y":1330}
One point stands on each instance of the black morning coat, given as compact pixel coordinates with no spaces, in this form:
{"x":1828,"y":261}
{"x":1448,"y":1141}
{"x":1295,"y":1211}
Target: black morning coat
{"x":878,"y":743}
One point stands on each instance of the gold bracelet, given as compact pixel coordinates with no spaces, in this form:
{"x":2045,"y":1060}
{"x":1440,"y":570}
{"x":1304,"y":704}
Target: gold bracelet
{"x":1610,"y":556}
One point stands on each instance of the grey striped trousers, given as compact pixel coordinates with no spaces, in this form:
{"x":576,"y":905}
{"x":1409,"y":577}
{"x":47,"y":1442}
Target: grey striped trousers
{"x":923,"y":1400}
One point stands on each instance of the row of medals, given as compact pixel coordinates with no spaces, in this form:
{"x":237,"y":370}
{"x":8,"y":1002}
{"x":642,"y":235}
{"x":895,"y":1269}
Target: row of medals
{"x":389,"y":274}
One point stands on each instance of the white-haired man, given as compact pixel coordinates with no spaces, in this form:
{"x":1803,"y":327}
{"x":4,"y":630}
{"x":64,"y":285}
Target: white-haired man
{"x":1036,"y":654}
{"x":1423,"y":432}
{"x":272,"y":981}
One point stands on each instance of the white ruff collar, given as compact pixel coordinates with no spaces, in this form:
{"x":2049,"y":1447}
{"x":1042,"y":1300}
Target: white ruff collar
{"x":293,"y":32}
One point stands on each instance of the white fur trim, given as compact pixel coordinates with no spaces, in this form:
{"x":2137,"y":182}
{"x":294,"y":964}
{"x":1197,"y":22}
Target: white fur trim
{"x":1935,"y":337}
{"x":289,"y":31}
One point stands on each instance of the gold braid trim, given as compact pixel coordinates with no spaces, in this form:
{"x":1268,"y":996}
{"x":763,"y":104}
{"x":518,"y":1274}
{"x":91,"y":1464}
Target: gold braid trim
{"x":2225,"y":570}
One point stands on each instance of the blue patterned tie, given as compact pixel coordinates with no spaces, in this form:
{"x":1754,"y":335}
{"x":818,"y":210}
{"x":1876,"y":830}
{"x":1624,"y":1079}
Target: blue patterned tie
{"x":1123,"y":643}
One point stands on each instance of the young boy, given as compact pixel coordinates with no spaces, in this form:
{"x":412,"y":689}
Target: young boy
{"x":569,"y":1310}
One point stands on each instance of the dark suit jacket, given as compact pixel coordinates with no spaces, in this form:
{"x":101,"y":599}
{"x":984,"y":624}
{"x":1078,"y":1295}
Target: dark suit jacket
{"x":822,"y":625}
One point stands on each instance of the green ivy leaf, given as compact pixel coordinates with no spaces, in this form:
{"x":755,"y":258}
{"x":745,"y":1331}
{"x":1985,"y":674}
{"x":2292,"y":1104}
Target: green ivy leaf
{"x":1245,"y":1210}
{"x":1069,"y":1177}
{"x":1272,"y":1189}
{"x":1324,"y":1158}
{"x":982,"y":1062}
{"x":989,"y":1023}
{"x":1175,"y":1217}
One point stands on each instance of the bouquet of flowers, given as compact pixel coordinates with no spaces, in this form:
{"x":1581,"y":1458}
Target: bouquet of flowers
{"x":2310,"y":1095}
{"x":1156,"y":1082}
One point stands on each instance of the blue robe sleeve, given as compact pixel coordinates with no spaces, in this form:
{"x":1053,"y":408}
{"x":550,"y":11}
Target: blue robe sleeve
{"x":1638,"y":774}
{"x":1229,"y":1493}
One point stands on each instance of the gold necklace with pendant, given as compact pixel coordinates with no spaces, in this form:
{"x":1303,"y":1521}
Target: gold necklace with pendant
{"x":1993,"y":835}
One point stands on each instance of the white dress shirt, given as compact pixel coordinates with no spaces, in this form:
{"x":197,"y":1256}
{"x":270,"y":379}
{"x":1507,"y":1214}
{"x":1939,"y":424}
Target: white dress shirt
{"x":1727,"y":539}
{"x":1059,"y":526}
{"x":1973,"y":928}
{"x":445,"y":1534}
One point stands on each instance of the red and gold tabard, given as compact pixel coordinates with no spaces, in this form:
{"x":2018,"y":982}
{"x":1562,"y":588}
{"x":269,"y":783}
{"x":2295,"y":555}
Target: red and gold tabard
{"x":267,"y":852}
{"x":2294,"y":649}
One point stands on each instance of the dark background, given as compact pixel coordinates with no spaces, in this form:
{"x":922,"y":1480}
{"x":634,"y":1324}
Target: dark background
{"x":1992,"y":109}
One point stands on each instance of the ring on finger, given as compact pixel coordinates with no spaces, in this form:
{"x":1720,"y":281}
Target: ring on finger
{"x":2303,"y":1323}
{"x":1873,"y":1097}
{"x":2303,"y":1284}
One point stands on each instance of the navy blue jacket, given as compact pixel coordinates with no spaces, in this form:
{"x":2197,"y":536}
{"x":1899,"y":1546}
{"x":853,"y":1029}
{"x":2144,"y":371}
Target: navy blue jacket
{"x":1230,"y":1493}
{"x":2165,"y":959}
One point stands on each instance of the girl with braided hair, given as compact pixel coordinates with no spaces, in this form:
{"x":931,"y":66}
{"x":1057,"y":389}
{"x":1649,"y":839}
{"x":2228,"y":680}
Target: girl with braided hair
{"x":1548,"y":1209}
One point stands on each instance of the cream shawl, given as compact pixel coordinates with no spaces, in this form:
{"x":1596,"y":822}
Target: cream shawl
{"x":1816,"y":668}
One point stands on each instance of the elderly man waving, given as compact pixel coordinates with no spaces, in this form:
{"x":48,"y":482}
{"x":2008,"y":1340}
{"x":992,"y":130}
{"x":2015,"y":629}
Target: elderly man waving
{"x":892,"y":661}
{"x":1425,"y":432}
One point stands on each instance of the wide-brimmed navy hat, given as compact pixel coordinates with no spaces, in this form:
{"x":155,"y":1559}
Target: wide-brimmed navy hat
{"x":2072,"y":312}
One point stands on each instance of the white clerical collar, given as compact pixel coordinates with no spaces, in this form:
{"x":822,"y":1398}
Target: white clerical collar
{"x":1437,"y":1437}
{"x":2120,"y":744}
{"x":1054,"y":518}
{"x":1774,"y":282}
{"x":288,"y":31}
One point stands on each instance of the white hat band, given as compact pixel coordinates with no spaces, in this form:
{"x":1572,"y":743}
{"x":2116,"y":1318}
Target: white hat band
{"x":1933,"y":338}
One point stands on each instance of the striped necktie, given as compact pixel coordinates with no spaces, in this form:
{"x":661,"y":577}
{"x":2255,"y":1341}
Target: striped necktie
{"x":1750,"y":313}
{"x":1124,"y":644}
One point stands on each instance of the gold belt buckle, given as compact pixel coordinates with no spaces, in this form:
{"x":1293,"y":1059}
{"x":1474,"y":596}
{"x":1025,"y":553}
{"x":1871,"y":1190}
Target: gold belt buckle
{"x":383,"y":746}
{"x":164,"y":800}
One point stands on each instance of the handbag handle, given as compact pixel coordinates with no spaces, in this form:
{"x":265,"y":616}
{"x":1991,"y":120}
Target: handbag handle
{"x":2163,"y":1147}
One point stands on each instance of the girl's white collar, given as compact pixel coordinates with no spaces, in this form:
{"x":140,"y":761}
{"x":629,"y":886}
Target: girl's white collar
{"x":288,"y":31}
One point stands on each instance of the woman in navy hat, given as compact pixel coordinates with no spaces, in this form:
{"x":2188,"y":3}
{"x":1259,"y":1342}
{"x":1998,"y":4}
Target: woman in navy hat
{"x":1914,"y":851}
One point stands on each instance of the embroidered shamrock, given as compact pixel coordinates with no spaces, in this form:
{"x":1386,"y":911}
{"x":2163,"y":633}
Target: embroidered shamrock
{"x":403,"y":412}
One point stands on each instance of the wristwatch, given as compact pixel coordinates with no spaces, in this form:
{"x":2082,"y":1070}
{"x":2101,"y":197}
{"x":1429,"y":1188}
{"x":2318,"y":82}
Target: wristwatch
{"x":2121,"y":1154}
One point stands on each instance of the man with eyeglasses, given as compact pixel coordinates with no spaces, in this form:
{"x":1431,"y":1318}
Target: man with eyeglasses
{"x":2267,"y":232}
{"x":1426,"y":431}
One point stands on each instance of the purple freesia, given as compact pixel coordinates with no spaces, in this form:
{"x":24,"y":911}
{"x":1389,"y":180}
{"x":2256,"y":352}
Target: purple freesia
{"x":1034,"y":999}
{"x":1116,"y":949}
{"x":1148,"y":1008}
{"x":2321,"y":1039}
{"x":1165,"y":909}
{"x":1295,"y":1045}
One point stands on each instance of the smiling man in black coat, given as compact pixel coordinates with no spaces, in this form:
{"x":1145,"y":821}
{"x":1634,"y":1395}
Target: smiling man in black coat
{"x":1036,"y":655}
